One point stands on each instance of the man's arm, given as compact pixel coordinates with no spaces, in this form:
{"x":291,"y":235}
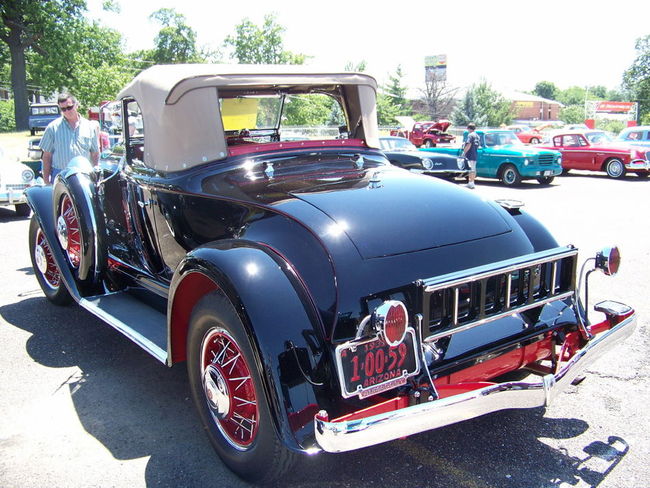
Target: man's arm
{"x":94,"y":158}
{"x":47,"y":166}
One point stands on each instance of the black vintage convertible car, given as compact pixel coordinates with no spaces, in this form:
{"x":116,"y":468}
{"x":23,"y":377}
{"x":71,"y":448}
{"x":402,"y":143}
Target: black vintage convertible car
{"x":403,"y":153}
{"x":322,"y":298}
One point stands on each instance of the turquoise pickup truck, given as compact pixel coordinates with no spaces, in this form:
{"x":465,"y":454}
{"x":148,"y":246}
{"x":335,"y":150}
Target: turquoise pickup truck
{"x":502,"y":155}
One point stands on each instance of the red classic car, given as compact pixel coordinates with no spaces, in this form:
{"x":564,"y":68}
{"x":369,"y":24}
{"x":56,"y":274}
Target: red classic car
{"x":594,"y":150}
{"x":427,"y":134}
{"x":525,"y":134}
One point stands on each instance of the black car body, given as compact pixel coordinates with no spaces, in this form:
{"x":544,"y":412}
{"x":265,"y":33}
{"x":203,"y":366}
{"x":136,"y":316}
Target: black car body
{"x":316,"y":305}
{"x":403,"y":153}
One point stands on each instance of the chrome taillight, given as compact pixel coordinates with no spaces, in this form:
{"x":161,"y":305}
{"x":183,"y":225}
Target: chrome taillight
{"x":390,"y":319}
{"x":608,"y":260}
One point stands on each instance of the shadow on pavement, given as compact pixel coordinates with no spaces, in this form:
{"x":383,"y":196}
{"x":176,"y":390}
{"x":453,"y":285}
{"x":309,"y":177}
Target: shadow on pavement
{"x":136,"y":407}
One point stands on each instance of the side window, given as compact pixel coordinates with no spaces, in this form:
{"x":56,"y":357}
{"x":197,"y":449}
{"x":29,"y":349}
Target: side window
{"x":557,"y":141}
{"x":634,"y":136}
{"x":570,"y":141}
{"x":134,"y":136}
{"x":490,"y":140}
{"x":582,"y":141}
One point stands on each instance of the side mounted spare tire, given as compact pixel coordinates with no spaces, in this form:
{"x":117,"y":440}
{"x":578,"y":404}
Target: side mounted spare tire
{"x":77,"y":225}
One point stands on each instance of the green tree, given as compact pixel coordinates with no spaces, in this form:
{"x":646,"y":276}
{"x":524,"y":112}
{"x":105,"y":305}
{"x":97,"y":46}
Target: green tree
{"x":484,"y":106}
{"x":176,"y":41}
{"x":7,"y":120}
{"x":636,"y":78}
{"x":395,"y":89}
{"x":96,"y":68}
{"x":546,"y":89}
{"x":387,"y":110}
{"x":41,"y":26}
{"x":252,"y":44}
{"x":574,"y":95}
{"x":572,"y":114}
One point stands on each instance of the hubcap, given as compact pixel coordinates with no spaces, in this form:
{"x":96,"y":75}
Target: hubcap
{"x":68,"y":232}
{"x":62,"y":232}
{"x":229,"y":389}
{"x":41,"y":260}
{"x":216,"y":391}
{"x":45,"y":262}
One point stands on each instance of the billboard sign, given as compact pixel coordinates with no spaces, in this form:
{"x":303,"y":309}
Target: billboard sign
{"x":435,"y":67}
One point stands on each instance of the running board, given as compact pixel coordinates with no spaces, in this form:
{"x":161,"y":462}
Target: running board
{"x":139,"y":322}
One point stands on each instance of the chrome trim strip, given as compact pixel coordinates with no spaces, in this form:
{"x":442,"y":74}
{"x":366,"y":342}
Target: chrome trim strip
{"x":140,"y":340}
{"x":369,"y":431}
{"x":507,"y":266}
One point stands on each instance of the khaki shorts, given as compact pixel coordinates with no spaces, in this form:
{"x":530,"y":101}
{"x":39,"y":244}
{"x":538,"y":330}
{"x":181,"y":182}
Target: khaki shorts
{"x":472,"y":165}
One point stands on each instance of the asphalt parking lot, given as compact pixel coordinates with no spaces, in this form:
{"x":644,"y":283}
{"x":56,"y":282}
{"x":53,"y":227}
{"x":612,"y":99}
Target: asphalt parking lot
{"x":81,"y":406}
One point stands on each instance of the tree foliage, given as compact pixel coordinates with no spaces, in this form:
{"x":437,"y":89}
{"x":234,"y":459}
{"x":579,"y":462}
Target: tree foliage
{"x":483,"y":106}
{"x":36,"y":26}
{"x":546,"y":89}
{"x":96,"y":69}
{"x":572,"y":114}
{"x":176,"y":41}
{"x":252,"y":44}
{"x":636,"y":78}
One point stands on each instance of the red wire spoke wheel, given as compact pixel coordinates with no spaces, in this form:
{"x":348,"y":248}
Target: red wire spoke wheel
{"x":45,"y":268}
{"x":69,"y":232}
{"x":229,"y":388}
{"x":45,"y":262}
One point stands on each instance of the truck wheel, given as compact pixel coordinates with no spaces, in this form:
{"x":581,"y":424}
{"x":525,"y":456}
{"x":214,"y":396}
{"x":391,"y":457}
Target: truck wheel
{"x":510,"y":176}
{"x":615,"y":168}
{"x":429,"y":143}
{"x":534,"y":140}
{"x":22,"y":209}
{"x":45,"y":268}
{"x":228,"y":392}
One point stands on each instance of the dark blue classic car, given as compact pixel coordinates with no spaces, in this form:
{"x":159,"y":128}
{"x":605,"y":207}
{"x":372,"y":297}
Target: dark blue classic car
{"x":403,"y":153}
{"x":322,"y":299}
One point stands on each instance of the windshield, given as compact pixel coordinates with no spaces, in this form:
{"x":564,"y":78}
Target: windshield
{"x":397,"y":144}
{"x":502,"y":138}
{"x":279,"y":117}
{"x":598,"y":137}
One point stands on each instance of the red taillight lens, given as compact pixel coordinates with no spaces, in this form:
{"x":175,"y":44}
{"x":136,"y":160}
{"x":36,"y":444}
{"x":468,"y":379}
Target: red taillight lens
{"x":391,"y":319}
{"x":609,"y":260}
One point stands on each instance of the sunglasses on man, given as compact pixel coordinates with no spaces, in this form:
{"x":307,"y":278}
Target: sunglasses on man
{"x":65,"y":109}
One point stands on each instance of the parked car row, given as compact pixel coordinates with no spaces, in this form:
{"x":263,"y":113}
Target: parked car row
{"x":323,"y":299}
{"x":503,"y":155}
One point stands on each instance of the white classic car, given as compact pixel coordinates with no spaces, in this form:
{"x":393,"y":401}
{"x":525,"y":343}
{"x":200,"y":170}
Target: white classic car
{"x":15,"y":177}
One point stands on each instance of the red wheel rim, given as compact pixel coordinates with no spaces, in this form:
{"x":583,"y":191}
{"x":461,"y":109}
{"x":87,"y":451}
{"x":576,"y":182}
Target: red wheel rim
{"x":69,"y":232}
{"x":228,"y":387}
{"x":45,"y":262}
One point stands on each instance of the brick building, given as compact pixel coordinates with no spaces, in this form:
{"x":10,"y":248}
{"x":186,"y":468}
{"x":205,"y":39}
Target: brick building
{"x":532,"y":108}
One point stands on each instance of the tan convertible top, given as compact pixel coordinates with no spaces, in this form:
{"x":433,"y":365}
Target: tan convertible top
{"x":180,"y":105}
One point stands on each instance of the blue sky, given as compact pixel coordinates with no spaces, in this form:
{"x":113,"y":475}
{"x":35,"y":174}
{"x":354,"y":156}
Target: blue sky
{"x":511,"y":44}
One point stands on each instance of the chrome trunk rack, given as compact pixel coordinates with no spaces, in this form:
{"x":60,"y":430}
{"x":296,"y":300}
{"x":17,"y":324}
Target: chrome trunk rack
{"x":462,"y":300}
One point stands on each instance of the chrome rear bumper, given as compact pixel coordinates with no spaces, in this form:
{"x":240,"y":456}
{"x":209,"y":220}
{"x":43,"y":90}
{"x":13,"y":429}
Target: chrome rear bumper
{"x":333,"y":436}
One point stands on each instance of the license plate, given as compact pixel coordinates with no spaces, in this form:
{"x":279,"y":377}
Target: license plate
{"x":371,"y":367}
{"x":548,"y":173}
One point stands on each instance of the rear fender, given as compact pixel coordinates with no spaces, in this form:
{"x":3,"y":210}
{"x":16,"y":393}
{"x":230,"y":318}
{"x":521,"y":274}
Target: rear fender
{"x":279,"y":318}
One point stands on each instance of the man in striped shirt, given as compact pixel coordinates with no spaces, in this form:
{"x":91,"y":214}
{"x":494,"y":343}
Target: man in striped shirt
{"x":66,"y":137}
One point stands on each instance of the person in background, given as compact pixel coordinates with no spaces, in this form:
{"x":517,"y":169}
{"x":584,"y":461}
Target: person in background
{"x":470,"y":152}
{"x":68,"y":136}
